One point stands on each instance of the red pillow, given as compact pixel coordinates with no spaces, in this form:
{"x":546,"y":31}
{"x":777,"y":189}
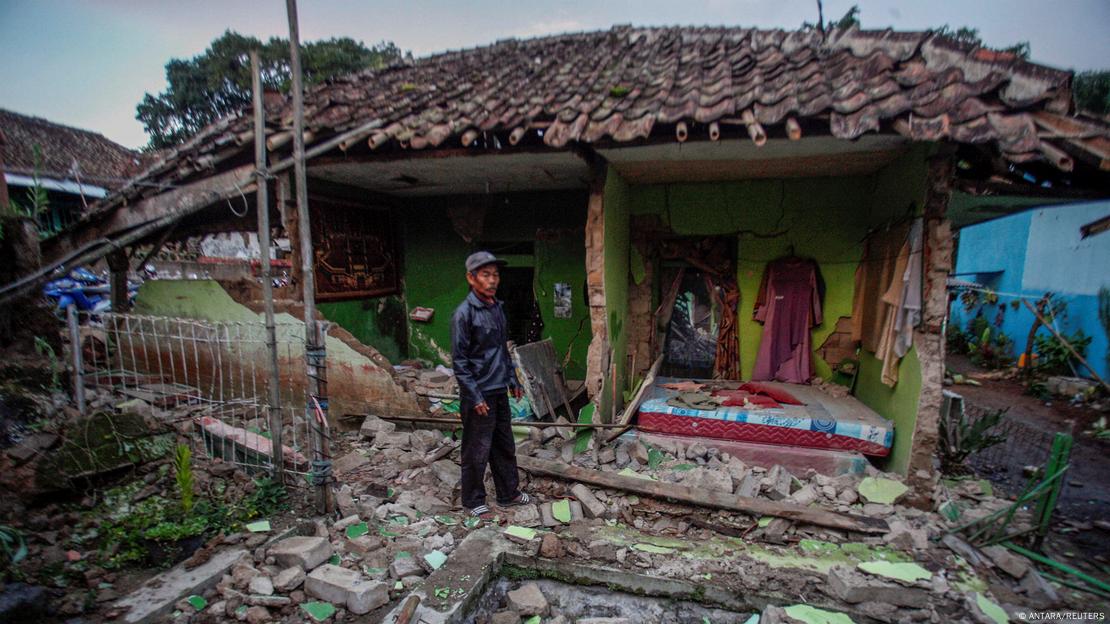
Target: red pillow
{"x":778,"y":394}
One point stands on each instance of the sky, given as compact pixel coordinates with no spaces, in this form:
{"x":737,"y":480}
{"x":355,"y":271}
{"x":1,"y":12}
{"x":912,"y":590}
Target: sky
{"x":87,"y":63}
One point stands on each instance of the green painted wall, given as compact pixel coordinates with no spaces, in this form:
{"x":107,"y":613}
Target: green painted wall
{"x":378,"y":322}
{"x":898,"y":403}
{"x":823,"y":218}
{"x":898,"y":187}
{"x":434,"y":274}
{"x":196,"y":299}
{"x":617,"y":207}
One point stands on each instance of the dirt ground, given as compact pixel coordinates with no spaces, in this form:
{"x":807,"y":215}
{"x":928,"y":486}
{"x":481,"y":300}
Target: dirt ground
{"x":1086,"y":495}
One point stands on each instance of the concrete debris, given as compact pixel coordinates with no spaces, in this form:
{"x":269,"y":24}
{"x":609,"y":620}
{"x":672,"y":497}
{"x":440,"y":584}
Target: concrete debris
{"x":289,"y":579}
{"x":397,"y":440}
{"x":405,"y":566}
{"x":607,"y":455}
{"x":1041,"y":594}
{"x":424,"y":440}
{"x":592,"y":507}
{"x":749,"y":485}
{"x":372,"y":426}
{"x":449,"y":472}
{"x":696,"y":451}
{"x":528,"y":600}
{"x":707,"y":479}
{"x":349,"y":463}
{"x":853,"y":586}
{"x":777,"y":483}
{"x":805,"y":496}
{"x":306,"y":552}
{"x":1007,"y":560}
{"x":404,"y":484}
{"x":551,"y":546}
{"x":904,"y":537}
{"x":337,"y":585}
{"x":261,"y":585}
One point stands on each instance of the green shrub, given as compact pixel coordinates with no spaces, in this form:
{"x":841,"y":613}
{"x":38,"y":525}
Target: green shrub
{"x":956,"y":340}
{"x":12,"y":544}
{"x":183,"y":474}
{"x":1053,"y":358}
{"x":990,"y":347}
{"x":960,"y":438}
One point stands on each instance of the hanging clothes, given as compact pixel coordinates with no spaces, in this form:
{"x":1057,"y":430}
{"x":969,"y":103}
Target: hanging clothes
{"x":788,"y":305}
{"x":903,"y":305}
{"x":726,"y":365}
{"x":874,"y":274}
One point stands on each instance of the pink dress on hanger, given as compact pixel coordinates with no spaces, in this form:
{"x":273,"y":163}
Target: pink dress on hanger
{"x":788,"y":305}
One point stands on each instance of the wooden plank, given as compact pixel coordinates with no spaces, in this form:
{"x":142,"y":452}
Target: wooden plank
{"x":455,"y":422}
{"x":633,"y":405}
{"x":182,"y":201}
{"x":709,"y":499}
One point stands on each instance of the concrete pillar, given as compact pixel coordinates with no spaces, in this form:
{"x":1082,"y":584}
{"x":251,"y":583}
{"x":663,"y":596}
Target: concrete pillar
{"x":928,"y":338}
{"x":598,"y":353}
{"x":640,"y":323}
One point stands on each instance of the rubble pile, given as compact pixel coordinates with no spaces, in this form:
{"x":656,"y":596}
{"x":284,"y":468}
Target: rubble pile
{"x":349,"y":567}
{"x":436,"y":385}
{"x":399,"y":519}
{"x":568,"y":514}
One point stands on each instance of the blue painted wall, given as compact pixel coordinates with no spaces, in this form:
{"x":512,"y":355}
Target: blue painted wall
{"x":1037,"y":251}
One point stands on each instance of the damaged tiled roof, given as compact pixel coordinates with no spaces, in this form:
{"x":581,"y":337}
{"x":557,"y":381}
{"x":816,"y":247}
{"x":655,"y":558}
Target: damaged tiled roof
{"x":67,"y":153}
{"x":622,"y":84}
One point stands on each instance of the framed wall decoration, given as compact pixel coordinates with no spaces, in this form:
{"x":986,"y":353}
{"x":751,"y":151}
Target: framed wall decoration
{"x":355,"y":250}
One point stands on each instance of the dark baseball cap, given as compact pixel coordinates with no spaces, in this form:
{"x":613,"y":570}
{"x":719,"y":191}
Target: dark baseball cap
{"x":480,"y":259}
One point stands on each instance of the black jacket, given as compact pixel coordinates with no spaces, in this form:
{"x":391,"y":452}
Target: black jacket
{"x":479,"y":350}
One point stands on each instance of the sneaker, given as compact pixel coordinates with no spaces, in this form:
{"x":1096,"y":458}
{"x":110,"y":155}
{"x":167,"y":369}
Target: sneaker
{"x":521,"y":499}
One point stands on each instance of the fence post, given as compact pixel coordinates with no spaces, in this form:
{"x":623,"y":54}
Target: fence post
{"x":75,"y":349}
{"x":316,"y":359}
{"x":262,"y":196}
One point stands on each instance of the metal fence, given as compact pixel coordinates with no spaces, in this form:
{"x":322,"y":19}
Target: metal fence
{"x":1024,"y":447}
{"x":210,"y":379}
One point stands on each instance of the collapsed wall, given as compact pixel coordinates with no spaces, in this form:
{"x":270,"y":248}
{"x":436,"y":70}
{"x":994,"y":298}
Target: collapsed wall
{"x":359,"y":378}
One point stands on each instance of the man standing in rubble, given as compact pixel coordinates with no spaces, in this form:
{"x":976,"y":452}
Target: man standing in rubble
{"x":486,"y":376}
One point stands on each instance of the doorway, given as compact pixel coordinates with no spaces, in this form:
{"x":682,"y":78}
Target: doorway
{"x":520,"y":303}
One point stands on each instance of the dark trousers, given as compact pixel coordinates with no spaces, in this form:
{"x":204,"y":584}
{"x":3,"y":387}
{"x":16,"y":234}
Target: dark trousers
{"x":488,"y":440}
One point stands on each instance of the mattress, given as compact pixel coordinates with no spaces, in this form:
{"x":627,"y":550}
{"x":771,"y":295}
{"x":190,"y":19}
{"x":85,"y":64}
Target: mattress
{"x":822,"y":421}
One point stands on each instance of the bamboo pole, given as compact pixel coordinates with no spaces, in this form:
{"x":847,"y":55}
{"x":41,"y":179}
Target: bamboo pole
{"x":1066,"y":344}
{"x":308,"y":276}
{"x":1039,"y":558}
{"x":262,"y":196}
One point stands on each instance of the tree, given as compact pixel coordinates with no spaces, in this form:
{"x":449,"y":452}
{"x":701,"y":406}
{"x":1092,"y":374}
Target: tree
{"x":970,"y":37}
{"x":964,"y":34}
{"x":218,"y":82}
{"x":1091,"y":90}
{"x":849,"y":19}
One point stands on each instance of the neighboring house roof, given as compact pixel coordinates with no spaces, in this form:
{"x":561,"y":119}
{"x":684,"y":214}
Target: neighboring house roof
{"x":620,"y":85}
{"x":67,"y":153}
